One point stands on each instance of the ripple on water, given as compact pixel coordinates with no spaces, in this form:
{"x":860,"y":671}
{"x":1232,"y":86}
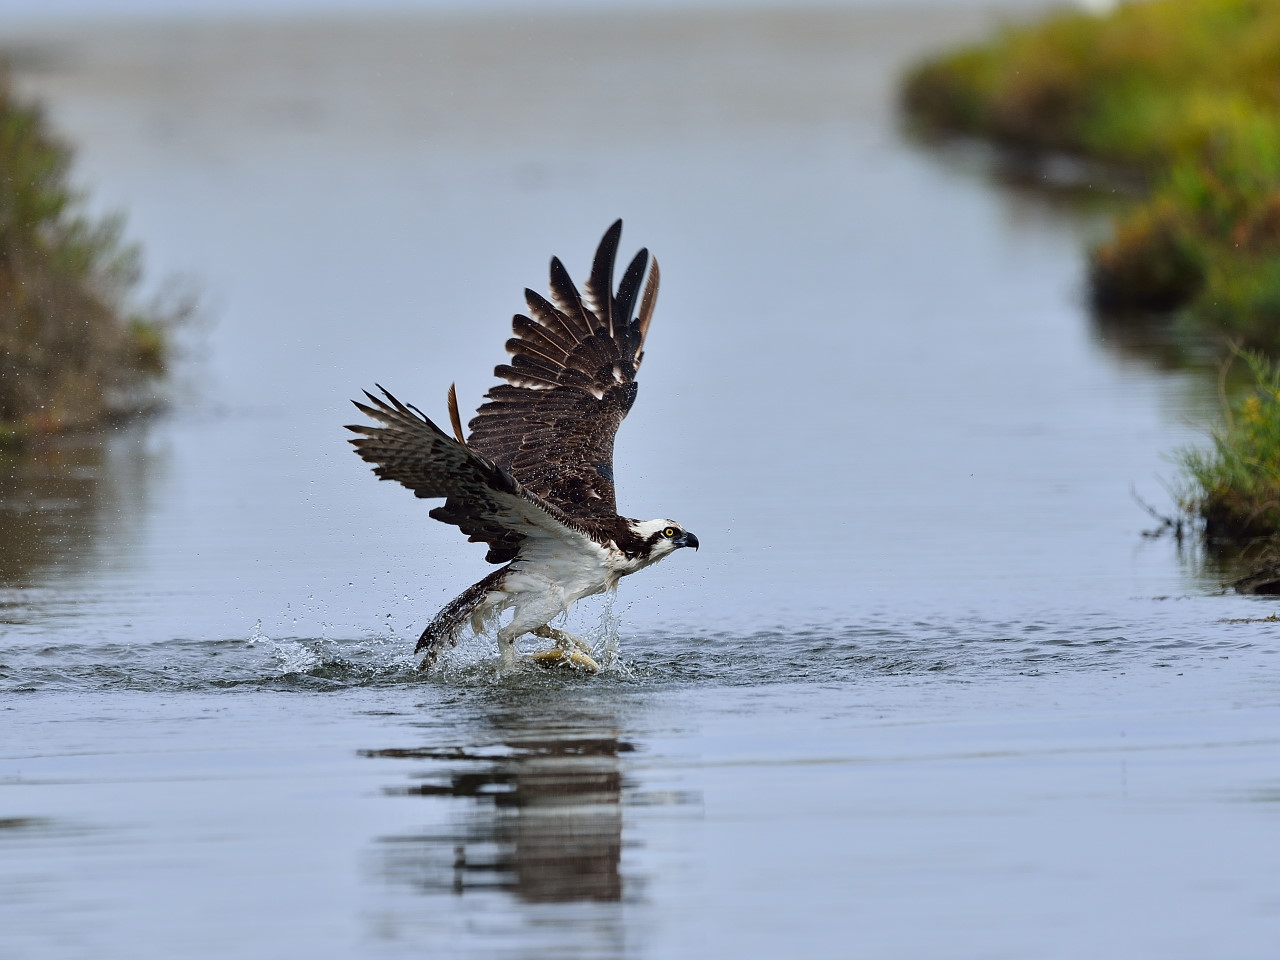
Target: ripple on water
{"x":961,"y":650}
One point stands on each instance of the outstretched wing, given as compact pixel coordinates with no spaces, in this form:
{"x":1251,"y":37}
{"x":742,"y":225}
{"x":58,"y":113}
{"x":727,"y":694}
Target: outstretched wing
{"x":482,"y":497}
{"x":570,"y":383}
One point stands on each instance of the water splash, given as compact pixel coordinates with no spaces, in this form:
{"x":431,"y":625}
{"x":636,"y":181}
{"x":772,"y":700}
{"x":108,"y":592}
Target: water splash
{"x":294,"y":656}
{"x":606,"y":640}
{"x":958,"y":650}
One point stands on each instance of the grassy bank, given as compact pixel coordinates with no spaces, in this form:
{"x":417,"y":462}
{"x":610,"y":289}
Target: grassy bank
{"x":1184,"y":91}
{"x":73,"y":353}
{"x":1234,"y":486}
{"x":1186,"y":94}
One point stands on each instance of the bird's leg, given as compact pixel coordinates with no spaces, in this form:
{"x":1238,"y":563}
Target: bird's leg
{"x":563,"y":638}
{"x":506,"y":649}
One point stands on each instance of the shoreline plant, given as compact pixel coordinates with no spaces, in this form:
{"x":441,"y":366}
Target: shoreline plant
{"x":74,"y":351}
{"x":1183,"y":92}
{"x":1234,"y":485}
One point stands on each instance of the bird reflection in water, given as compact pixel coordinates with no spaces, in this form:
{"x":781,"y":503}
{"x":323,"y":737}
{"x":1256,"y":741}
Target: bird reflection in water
{"x":545,"y":824}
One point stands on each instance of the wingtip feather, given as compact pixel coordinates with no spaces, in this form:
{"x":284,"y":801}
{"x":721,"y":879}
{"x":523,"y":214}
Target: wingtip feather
{"x":600,"y":281}
{"x":650,"y":299}
{"x":454,"y":419}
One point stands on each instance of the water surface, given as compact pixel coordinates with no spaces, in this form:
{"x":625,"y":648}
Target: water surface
{"x":924,"y":691}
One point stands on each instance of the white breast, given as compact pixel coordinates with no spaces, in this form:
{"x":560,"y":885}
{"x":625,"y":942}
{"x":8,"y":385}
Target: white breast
{"x":577,"y":567}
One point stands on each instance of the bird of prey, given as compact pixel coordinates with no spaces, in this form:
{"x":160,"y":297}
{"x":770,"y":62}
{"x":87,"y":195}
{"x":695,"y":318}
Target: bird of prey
{"x":534,"y":480}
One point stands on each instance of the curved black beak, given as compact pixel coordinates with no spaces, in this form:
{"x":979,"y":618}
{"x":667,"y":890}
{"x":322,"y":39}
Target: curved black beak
{"x":687,"y":539}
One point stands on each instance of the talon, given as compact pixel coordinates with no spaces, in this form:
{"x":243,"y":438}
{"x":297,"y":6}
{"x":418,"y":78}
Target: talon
{"x":565,"y":660}
{"x":563,"y":639}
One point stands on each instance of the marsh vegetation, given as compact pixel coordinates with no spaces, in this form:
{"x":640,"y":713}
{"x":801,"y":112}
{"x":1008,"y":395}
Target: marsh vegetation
{"x":75,"y":349}
{"x":1234,"y":484}
{"x":1183,"y":93}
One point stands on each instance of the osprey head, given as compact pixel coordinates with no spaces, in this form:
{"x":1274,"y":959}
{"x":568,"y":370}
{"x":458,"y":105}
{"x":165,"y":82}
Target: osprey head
{"x":660,"y":537}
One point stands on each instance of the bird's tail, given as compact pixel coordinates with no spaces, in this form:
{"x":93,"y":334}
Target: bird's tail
{"x":447,"y":625}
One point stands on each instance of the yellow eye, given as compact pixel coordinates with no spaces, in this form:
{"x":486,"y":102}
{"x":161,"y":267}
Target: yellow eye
{"x":669,"y":532}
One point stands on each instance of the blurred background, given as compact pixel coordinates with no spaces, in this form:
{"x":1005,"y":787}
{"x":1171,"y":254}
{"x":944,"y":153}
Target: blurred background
{"x":847,"y":318}
{"x":925,"y":689}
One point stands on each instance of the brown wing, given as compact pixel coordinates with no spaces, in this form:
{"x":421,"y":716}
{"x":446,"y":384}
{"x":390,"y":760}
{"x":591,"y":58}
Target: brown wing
{"x":570,"y":382}
{"x":482,"y":497}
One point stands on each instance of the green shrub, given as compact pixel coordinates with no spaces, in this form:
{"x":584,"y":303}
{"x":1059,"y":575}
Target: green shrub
{"x":1185,"y":90}
{"x":1153,"y":262}
{"x":70,"y":353}
{"x":1235,"y":484}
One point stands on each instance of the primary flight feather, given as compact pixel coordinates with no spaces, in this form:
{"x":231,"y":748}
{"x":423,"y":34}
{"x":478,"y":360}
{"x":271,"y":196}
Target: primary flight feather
{"x":534,"y":479}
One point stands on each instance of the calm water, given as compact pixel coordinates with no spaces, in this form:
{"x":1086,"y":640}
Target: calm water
{"x":924,"y":692}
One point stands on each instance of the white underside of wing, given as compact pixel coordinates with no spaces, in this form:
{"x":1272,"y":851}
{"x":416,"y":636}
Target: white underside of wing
{"x":557,"y":566}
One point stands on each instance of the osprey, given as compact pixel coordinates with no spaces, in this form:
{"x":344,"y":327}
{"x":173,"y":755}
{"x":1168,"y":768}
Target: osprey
{"x":534,"y":480}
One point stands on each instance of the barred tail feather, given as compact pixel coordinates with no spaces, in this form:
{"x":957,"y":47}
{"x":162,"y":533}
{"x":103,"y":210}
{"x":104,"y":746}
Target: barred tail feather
{"x":446,"y":627}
